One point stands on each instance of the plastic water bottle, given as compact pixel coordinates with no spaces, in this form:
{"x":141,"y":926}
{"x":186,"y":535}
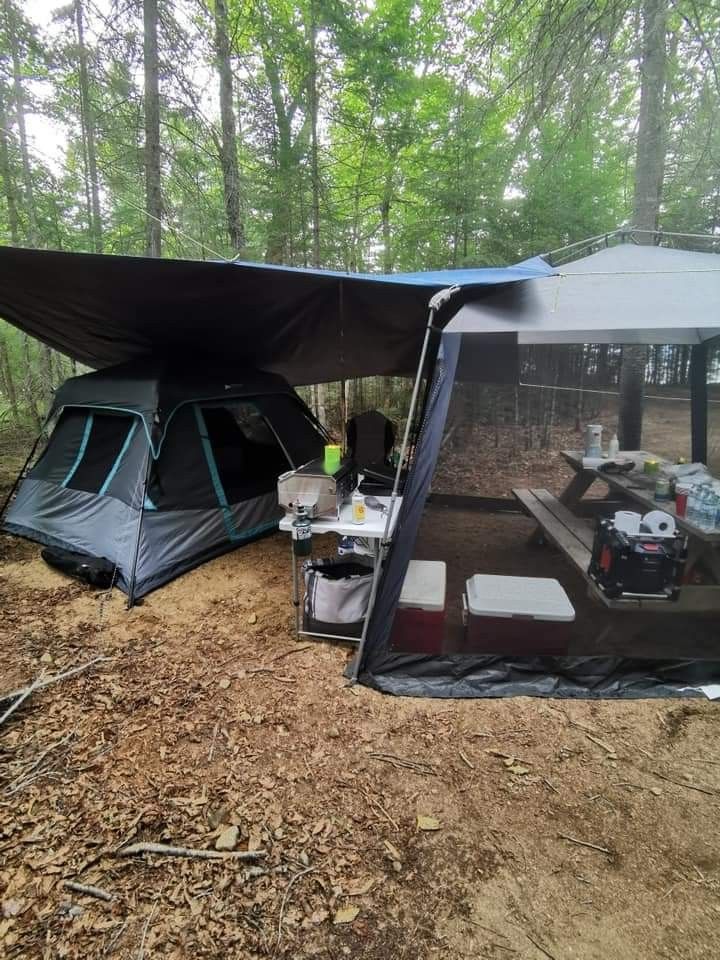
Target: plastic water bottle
{"x":691,"y":508}
{"x":707,"y":510}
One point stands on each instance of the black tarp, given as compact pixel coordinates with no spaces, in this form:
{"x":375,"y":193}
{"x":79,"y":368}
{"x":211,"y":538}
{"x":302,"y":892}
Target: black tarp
{"x":310,"y":326}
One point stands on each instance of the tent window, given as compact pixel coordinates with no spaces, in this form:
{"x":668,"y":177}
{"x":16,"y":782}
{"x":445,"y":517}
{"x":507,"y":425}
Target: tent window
{"x":248,"y":457}
{"x":100,"y":451}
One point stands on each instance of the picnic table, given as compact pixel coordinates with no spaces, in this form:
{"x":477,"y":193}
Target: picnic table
{"x":559,"y":522}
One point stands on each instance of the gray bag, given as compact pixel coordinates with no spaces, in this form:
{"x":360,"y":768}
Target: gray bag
{"x":336,"y":596}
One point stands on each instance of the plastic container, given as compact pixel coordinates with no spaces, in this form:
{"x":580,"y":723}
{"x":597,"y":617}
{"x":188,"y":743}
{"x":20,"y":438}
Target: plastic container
{"x":516,"y":615}
{"x":358,"y":508}
{"x":682,"y":492}
{"x":419,"y":625}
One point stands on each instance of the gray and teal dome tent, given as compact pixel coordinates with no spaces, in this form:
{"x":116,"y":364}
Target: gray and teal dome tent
{"x":156,"y":467}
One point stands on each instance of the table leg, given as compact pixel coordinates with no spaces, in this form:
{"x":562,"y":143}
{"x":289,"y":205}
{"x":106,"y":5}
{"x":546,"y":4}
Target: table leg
{"x":296,"y":589}
{"x":570,"y":497}
{"x":577,"y":488}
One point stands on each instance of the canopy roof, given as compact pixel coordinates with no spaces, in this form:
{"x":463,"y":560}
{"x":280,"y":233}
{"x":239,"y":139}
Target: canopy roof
{"x":623,"y":294}
{"x":309,"y":326}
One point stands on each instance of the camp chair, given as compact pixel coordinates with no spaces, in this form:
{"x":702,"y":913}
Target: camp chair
{"x":370,"y":440}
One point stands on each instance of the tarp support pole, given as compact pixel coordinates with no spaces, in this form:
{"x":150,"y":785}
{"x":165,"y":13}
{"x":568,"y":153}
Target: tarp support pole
{"x":133,"y":572}
{"x":698,"y":402}
{"x":436,"y":302}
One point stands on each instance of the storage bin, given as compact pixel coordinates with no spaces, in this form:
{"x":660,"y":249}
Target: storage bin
{"x":419,"y":625}
{"x":516,"y":615}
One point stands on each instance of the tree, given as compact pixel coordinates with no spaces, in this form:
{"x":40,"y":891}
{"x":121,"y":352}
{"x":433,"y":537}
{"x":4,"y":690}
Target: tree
{"x":649,"y":165}
{"x":153,"y":189}
{"x":87,"y":117}
{"x":228,"y":149}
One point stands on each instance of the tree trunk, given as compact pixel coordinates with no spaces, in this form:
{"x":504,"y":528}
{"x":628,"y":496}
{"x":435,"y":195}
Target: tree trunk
{"x":229,"y":149}
{"x":88,"y":124}
{"x":649,"y":168}
{"x":153,"y":193}
{"x":33,"y":234}
{"x":7,"y":381}
{"x":314,"y":150}
{"x":7,"y":178}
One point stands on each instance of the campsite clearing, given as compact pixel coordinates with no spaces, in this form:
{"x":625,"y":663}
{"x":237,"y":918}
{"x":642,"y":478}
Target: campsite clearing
{"x":566,"y":829}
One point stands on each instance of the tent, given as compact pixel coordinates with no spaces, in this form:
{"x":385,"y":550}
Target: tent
{"x":624,"y":293}
{"x":158,"y":467}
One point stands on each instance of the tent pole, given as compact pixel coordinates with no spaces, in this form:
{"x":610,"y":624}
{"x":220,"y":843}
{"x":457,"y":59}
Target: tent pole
{"x":436,"y":302}
{"x":131,"y":590}
{"x":698,"y":402}
{"x":23,"y":470}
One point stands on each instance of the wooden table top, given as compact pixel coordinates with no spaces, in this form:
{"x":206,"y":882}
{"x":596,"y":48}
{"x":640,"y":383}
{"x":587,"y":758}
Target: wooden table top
{"x":637,"y":486}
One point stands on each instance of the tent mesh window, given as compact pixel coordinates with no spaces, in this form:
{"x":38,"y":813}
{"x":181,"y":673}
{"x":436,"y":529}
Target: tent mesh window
{"x":85,"y":448}
{"x":247,"y":455}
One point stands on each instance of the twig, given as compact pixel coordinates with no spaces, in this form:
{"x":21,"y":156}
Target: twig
{"x":703,"y":760}
{"x":601,"y":743}
{"x":24,"y":694}
{"x":552,"y":787}
{"x":688,"y":786}
{"x":419,"y":766}
{"x":88,"y":890}
{"x":141,"y":951}
{"x":583,"y":843}
{"x":164,"y":850}
{"x":41,"y":684}
{"x":288,"y":653}
{"x":540,"y":947}
{"x":465,"y":759}
{"x":295,"y":876}
{"x":22,"y":779}
{"x":212,"y":745}
{"x":507,"y":756}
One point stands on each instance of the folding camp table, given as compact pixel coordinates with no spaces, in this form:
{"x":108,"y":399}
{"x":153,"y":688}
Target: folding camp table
{"x":372,"y":530}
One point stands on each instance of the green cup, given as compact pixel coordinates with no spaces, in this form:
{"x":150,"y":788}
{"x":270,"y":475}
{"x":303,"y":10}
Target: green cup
{"x":332,"y":458}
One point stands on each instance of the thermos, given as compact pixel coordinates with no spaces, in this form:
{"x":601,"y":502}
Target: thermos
{"x":302,"y":532}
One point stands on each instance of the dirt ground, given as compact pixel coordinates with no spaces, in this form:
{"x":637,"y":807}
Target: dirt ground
{"x":565,"y":829}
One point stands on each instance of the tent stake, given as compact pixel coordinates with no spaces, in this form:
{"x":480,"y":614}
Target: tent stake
{"x":436,"y":302}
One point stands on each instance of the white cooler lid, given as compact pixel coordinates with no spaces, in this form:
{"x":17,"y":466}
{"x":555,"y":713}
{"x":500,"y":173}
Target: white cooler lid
{"x":536,"y":597}
{"x":424,"y":585}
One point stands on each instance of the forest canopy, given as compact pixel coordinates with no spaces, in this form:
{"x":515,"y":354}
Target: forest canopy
{"x":375,"y":135}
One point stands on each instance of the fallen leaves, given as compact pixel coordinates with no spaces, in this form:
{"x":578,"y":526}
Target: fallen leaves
{"x":427,"y":823}
{"x":346,"y":915}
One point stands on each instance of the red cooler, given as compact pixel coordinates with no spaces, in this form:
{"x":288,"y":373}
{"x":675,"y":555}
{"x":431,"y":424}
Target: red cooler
{"x":516,"y":615}
{"x":419,"y":625}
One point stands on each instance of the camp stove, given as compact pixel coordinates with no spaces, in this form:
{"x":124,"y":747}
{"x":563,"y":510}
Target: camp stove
{"x":321,"y":493}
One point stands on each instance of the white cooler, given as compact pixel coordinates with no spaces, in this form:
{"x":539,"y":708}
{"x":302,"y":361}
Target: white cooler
{"x":516,"y":615}
{"x":419,"y":625}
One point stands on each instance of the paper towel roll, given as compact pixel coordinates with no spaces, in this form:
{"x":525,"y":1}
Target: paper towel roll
{"x":628,"y":521}
{"x":659,"y":523}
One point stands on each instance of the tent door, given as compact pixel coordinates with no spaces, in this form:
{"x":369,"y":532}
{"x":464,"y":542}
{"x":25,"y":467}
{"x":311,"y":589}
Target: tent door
{"x":222,"y":499}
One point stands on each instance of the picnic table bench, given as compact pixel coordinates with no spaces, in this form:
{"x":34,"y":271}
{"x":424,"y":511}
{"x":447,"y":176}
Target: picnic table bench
{"x":573,"y":535}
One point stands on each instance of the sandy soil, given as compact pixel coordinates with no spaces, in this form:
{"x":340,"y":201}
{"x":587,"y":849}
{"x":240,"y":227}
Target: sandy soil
{"x":206,"y":713}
